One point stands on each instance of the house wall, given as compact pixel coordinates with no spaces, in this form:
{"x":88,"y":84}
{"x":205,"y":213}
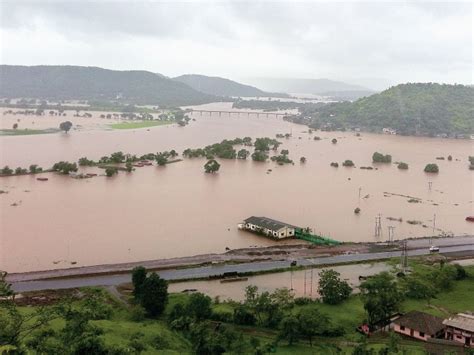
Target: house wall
{"x":408,"y":332}
{"x":459,"y":336}
{"x":280,"y":234}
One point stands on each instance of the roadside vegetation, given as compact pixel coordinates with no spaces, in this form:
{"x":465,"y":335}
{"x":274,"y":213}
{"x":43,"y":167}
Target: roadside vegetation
{"x":146,"y":319}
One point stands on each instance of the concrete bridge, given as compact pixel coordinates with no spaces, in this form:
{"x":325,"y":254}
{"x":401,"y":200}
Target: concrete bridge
{"x":238,"y":113}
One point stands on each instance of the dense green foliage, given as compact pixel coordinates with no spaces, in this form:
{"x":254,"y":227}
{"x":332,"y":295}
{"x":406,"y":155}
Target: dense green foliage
{"x":154,"y":294}
{"x":65,"y":167}
{"x":95,"y":323}
{"x":380,"y":158}
{"x":381,"y":297}
{"x":402,"y":166}
{"x":332,"y":289}
{"x":259,"y":155}
{"x":411,"y":109}
{"x":211,"y":166}
{"x":111,"y":171}
{"x":92,"y":83}
{"x":431,"y":168}
{"x":6,"y":170}
{"x":65,"y":126}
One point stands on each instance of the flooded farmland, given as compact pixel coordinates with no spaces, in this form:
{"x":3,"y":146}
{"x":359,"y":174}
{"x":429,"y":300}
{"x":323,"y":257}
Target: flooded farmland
{"x":178,"y":210}
{"x":304,"y":283}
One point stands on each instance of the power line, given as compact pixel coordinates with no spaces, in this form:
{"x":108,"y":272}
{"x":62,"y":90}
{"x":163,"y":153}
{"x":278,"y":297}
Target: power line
{"x":378,"y":226}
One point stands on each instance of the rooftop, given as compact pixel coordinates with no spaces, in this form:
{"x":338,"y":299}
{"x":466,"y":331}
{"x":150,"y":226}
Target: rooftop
{"x":268,"y":223}
{"x":422,"y":322}
{"x":461,"y":321}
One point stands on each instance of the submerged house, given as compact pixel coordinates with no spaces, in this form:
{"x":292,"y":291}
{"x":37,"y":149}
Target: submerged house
{"x":269,"y":227}
{"x":419,"y":325}
{"x":460,"y":328}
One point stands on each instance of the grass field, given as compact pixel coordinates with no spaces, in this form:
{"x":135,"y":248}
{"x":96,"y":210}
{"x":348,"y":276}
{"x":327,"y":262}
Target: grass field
{"x":139,"y":124}
{"x":27,"y":132}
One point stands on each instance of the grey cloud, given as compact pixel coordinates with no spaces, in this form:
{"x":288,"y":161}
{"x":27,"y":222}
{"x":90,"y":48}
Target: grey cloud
{"x":402,"y":41}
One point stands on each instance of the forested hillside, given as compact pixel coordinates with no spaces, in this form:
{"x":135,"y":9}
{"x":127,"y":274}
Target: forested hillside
{"x":92,"y":83}
{"x":411,"y":109}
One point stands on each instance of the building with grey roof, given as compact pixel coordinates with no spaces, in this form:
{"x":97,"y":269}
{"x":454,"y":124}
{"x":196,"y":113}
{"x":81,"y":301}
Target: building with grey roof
{"x":269,"y":227}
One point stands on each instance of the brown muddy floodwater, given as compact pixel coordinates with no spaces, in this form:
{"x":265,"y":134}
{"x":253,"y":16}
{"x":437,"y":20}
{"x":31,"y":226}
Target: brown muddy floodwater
{"x":303,"y":282}
{"x":178,"y":210}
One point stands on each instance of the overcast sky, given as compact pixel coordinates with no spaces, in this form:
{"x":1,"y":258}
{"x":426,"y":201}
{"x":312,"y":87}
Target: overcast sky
{"x":404,"y":41}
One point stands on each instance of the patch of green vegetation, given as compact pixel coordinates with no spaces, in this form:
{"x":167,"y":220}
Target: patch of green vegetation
{"x":27,"y":132}
{"x":411,"y":109}
{"x":139,"y":124}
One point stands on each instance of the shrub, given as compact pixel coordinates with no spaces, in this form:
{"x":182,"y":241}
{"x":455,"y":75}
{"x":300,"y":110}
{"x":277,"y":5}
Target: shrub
{"x":35,"y":169}
{"x":402,"y":166}
{"x":86,"y":162}
{"x":357,"y":210}
{"x":65,"y":167}
{"x":211,"y":166}
{"x":110,"y":171}
{"x":243,"y":316}
{"x":137,"y":313}
{"x":335,"y":165}
{"x":334,"y":141}
{"x":380,"y":158}
{"x":259,"y":155}
{"x":431,"y":168}
{"x":348,"y":163}
{"x":7,"y":171}
{"x":19,"y":171}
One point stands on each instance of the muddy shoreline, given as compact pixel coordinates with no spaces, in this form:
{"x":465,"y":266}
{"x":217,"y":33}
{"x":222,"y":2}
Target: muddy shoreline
{"x":236,"y":256}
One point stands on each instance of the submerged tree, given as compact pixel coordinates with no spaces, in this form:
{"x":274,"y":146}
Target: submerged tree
{"x":211,"y":166}
{"x":65,"y":126}
{"x":431,"y":168}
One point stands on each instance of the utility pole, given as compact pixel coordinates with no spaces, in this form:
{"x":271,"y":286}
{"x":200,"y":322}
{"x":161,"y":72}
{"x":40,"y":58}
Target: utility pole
{"x":378,"y":225}
{"x":360,"y":189}
{"x":430,"y":183}
{"x":291,"y":279}
{"x":311,"y":288}
{"x":404,"y":257}
{"x":305,"y":282}
{"x":391,"y":234}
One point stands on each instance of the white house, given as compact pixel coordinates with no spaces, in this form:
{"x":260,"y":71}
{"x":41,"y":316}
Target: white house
{"x":269,"y":227}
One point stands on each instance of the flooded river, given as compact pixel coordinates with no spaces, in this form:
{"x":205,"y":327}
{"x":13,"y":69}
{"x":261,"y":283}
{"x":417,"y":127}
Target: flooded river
{"x":304,"y":283}
{"x":178,"y":210}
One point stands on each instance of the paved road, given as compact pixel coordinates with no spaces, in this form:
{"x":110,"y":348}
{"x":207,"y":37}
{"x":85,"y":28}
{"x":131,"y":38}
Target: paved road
{"x":215,"y":270}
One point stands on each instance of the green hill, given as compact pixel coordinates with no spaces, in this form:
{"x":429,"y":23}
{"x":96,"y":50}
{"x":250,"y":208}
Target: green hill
{"x":222,"y":87}
{"x":92,"y":83}
{"x":411,"y":109}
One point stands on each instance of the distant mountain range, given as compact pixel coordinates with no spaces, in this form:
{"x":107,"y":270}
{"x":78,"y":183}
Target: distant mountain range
{"x":307,"y":86}
{"x":223,"y":87}
{"x":92,"y":83}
